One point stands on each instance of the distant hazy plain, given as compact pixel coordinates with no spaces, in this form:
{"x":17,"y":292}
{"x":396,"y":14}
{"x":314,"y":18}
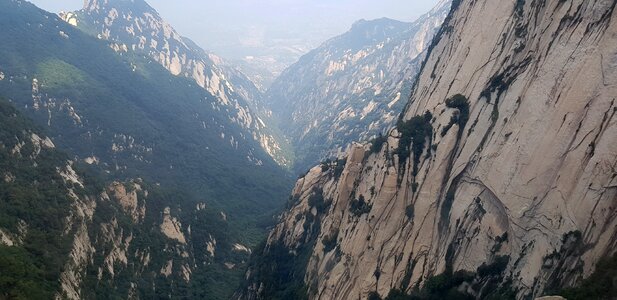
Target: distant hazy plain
{"x":266,"y":34}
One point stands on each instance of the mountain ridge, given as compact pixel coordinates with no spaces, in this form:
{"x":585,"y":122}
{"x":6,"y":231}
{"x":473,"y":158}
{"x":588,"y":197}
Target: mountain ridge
{"x":139,"y":27}
{"x":352,"y":87}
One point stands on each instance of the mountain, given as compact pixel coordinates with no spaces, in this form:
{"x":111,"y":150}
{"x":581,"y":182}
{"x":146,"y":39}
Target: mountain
{"x":352,"y":87}
{"x":211,"y":188}
{"x":125,"y":112}
{"x":136,"y":26}
{"x":36,"y":194}
{"x":67,"y":234}
{"x":498,"y":182}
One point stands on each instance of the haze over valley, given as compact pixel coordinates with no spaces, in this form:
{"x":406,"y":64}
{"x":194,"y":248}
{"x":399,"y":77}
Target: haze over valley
{"x":264,"y":37}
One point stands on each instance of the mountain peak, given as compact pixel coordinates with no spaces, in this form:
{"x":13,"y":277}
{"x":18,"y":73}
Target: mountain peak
{"x":381,"y":22}
{"x":123,"y":5}
{"x":367,"y":32}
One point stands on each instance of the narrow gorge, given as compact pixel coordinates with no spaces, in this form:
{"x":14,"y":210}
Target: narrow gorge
{"x":468,"y":154}
{"x":499,"y":179}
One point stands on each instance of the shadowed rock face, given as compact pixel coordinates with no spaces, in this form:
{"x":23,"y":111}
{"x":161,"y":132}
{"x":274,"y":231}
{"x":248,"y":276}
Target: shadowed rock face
{"x":136,"y":26}
{"x":525,"y":169}
{"x":353,"y":86}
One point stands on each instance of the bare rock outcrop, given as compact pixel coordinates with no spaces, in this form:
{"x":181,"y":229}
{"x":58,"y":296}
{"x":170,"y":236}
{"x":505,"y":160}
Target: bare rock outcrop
{"x":507,"y":163}
{"x":171,"y":227}
{"x":128,"y":197}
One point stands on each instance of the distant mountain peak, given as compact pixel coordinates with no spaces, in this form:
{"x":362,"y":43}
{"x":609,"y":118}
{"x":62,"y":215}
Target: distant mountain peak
{"x":352,"y":87}
{"x":133,"y":25}
{"x":365,"y":33}
{"x":364,"y":24}
{"x":132,"y":5}
{"x":378,"y":21}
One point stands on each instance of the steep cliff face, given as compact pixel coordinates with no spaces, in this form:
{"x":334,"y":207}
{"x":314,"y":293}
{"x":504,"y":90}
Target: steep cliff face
{"x":353,"y":86}
{"x":501,"y":176}
{"x":135,"y":26}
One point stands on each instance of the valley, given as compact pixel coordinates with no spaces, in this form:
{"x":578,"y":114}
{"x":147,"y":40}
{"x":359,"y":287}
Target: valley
{"x":352,"y":87}
{"x":469,"y":154}
{"x":128,"y":119}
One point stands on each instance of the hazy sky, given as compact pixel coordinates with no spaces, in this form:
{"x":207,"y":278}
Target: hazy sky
{"x":225,"y":25}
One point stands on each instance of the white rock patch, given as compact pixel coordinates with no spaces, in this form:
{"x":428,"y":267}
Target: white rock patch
{"x":171,"y":227}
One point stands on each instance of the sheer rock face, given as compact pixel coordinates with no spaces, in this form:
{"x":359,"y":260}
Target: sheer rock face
{"x":135,"y":26}
{"x":353,"y":86}
{"x":531,"y":176}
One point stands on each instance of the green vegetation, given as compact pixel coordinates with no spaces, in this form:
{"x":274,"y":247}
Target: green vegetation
{"x":602,"y":284}
{"x":410,"y":211}
{"x":373,"y":296}
{"x":34,"y":203}
{"x":340,"y":166}
{"x":317,"y":201}
{"x":378,"y":143}
{"x":445,"y":286}
{"x":336,"y":165}
{"x":57,"y":74}
{"x":157,"y":110}
{"x":460,"y":118}
{"x":330,"y":241}
{"x":358,"y":207}
{"x":20,"y":278}
{"x":440,"y":287}
{"x":280,"y":270}
{"x":497,"y":267}
{"x":414,"y":135}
